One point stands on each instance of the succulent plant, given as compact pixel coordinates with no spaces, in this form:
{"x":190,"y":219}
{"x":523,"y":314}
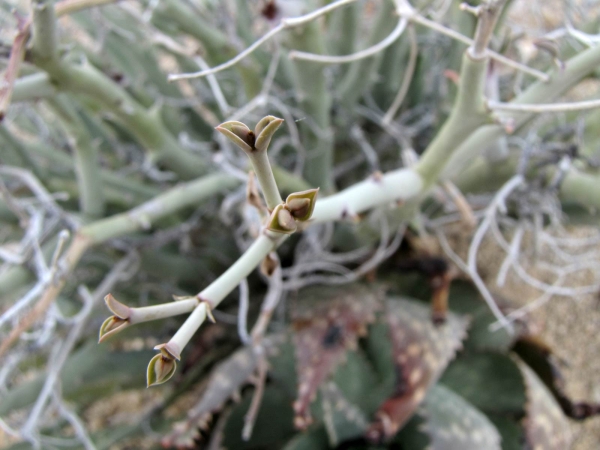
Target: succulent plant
{"x":392,"y":140}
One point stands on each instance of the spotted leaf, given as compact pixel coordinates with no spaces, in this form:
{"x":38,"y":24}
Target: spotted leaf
{"x":452,"y":423}
{"x":421,"y":351}
{"x":546,"y":425}
{"x":327,"y":322}
{"x":343,"y":420}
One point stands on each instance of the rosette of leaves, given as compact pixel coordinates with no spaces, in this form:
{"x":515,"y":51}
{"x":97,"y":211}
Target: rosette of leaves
{"x":361,"y":369}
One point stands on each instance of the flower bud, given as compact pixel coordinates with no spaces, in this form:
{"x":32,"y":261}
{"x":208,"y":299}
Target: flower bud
{"x":111,"y":326}
{"x":302,"y":204}
{"x":118,"y":309}
{"x":239,"y":134}
{"x":269,"y":265}
{"x":281,"y":221}
{"x":248,"y":140}
{"x":160,"y":369}
{"x":264,"y":131}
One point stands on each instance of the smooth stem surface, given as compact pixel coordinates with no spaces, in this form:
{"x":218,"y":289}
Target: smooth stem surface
{"x":396,"y":186}
{"x":468,"y":114}
{"x":189,"y":327}
{"x":44,"y":39}
{"x":146,"y":125}
{"x":140,"y":218}
{"x":560,"y":81}
{"x":488,"y":15}
{"x":215,"y":292}
{"x":266,"y":179}
{"x":315,"y":100}
{"x":87,"y":169}
{"x":156,"y":312}
{"x":32,"y":87}
{"x":361,"y":73}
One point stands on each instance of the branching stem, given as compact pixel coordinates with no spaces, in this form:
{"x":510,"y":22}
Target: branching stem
{"x":285,"y":24}
{"x":327,"y":59}
{"x":544,"y":108}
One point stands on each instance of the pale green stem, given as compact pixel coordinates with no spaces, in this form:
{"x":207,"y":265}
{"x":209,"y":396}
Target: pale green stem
{"x":48,"y":48}
{"x":407,"y":77}
{"x":162,"y":311}
{"x":188,"y":329}
{"x":215,"y":292}
{"x":87,"y":169}
{"x":396,"y":186}
{"x":577,"y":186}
{"x":44,"y":39}
{"x":266,"y":179}
{"x":342,"y":26}
{"x":582,"y":188}
{"x":143,"y":216}
{"x":11,"y":150}
{"x":315,"y":99}
{"x":145,"y":125}
{"x":545,"y":107}
{"x":33,"y":87}
{"x":361,"y":73}
{"x":468,"y":114}
{"x":560,"y":81}
{"x":140,"y":218}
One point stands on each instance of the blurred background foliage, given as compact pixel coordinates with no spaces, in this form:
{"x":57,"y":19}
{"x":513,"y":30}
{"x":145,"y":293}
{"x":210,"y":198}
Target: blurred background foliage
{"x":358,"y":365}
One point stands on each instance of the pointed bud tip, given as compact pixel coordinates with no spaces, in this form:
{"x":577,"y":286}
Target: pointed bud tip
{"x":111,"y":326}
{"x":281,"y":221}
{"x":302,"y":204}
{"x":238,"y":133}
{"x":160,"y":370}
{"x":264,"y":131}
{"x":116,"y":307}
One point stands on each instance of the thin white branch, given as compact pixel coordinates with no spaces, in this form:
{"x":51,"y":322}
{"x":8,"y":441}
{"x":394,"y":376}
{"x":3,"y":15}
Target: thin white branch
{"x":270,"y":302}
{"x":74,"y":420}
{"x":215,"y":88}
{"x":511,"y":256}
{"x":62,"y":351}
{"x":523,"y":311}
{"x":585,"y":38}
{"x":242,"y":322}
{"x":544,"y":108}
{"x":414,"y":17}
{"x":284,"y":24}
{"x":327,"y":59}
{"x":497,"y":203}
{"x":407,"y":79}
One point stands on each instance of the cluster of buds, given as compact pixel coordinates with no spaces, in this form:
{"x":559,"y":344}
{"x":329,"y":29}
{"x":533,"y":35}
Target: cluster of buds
{"x":248,"y":140}
{"x":299,"y":206}
{"x":283,"y":218}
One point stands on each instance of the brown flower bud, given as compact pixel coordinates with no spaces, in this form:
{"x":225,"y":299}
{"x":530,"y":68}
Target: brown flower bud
{"x":302,"y":204}
{"x":281,"y":221}
{"x":112,"y":326}
{"x":160,"y":369}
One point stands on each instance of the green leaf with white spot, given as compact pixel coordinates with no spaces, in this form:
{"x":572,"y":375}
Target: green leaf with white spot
{"x":452,"y":423}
